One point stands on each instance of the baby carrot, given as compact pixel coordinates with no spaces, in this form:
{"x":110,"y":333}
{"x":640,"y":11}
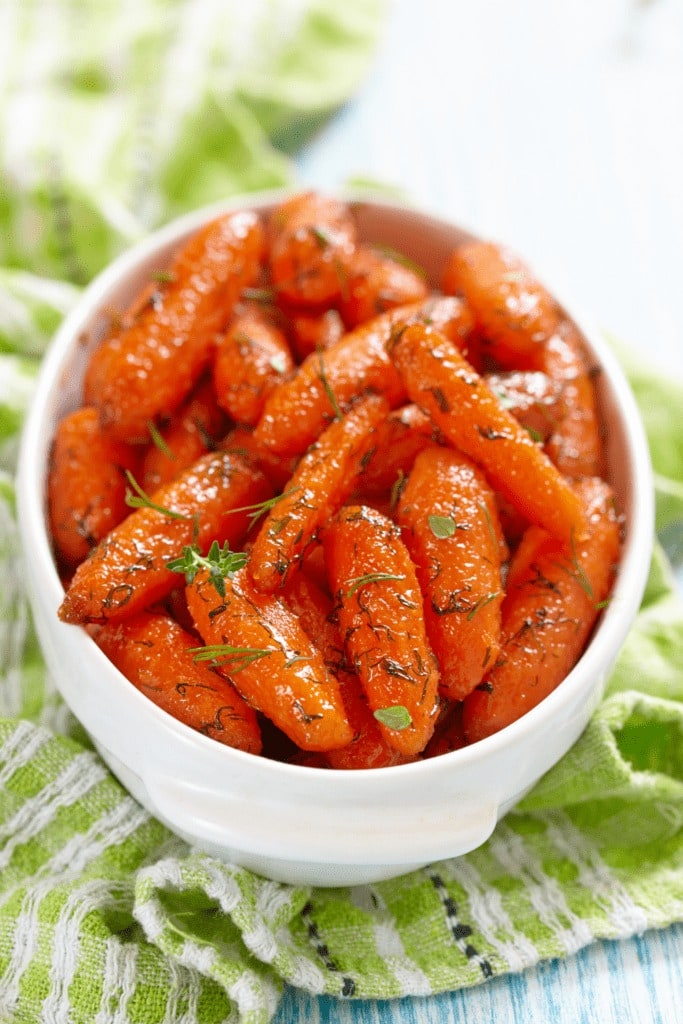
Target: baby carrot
{"x":259,"y":644}
{"x":322,"y":481}
{"x":534,"y":399}
{"x":470,"y":416}
{"x":312,"y":332}
{"x":368,"y":747}
{"x":514,"y":313}
{"x":194,"y":429}
{"x":241,"y":441}
{"x":251,"y":358}
{"x":377,"y":281}
{"x":447,"y":513}
{"x":145,"y":370}
{"x":379,"y":610}
{"x":298,"y":410}
{"x":156,"y":655}
{"x":86,"y":486}
{"x":397,"y":441}
{"x":548,"y":614}
{"x":127,"y":571}
{"x":311,"y":240}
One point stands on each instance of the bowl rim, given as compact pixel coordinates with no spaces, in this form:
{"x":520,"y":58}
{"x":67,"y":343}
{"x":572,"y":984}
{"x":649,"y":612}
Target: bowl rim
{"x":615,"y":620}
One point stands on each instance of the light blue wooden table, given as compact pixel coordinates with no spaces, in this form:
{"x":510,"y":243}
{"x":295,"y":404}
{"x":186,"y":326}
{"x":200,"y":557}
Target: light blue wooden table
{"x":558,"y":128}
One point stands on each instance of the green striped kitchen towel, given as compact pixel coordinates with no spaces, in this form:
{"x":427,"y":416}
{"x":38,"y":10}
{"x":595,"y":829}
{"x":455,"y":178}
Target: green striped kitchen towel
{"x":104,"y":915}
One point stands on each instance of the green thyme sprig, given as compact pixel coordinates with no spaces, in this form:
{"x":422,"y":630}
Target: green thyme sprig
{"x":220,"y":562}
{"x":396,"y":716}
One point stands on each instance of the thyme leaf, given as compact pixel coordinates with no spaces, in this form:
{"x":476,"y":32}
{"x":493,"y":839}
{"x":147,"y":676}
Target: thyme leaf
{"x":396,"y":716}
{"x":140,"y":499}
{"x":442,"y":526}
{"x":221,"y":563}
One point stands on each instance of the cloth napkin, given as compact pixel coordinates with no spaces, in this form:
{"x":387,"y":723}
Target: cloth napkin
{"x":105,"y":916}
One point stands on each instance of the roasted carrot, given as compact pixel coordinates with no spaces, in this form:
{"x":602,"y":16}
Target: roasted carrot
{"x":548,"y":614}
{"x":156,"y":655}
{"x":144,"y":371}
{"x":311,"y":241}
{"x":313,"y":332}
{"x":575,"y":444}
{"x":194,"y":429}
{"x":379,"y":609}
{"x":448,"y":734}
{"x":534,"y":399}
{"x":377,"y":281}
{"x":296,"y":411}
{"x":127,"y":571}
{"x":447,"y":512}
{"x":251,"y":358}
{"x":322,"y":481}
{"x":86,"y":484}
{"x":513,"y":312}
{"x":368,"y":747}
{"x":260,"y":645}
{"x":397,"y":440}
{"x":241,"y":441}
{"x":470,"y":416}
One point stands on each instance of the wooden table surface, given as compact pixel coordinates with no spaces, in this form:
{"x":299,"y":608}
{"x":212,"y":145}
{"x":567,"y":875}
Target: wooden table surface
{"x":556,"y":127}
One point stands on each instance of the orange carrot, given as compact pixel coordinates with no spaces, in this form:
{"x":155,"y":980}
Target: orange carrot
{"x":397,"y":441}
{"x":252,"y":357}
{"x":259,"y":644}
{"x":313,"y":608}
{"x":548,"y":614}
{"x":295,"y":412}
{"x":534,"y":399}
{"x":447,"y":512}
{"x":145,"y":370}
{"x":86,"y":484}
{"x":311,"y":240}
{"x":378,"y":281}
{"x":470,"y":416}
{"x":321,"y":482}
{"x":194,"y":429}
{"x":127,"y":571}
{"x":241,"y":441}
{"x":312,"y":332}
{"x":379,"y":610}
{"x":156,"y":655}
{"x":514,"y":313}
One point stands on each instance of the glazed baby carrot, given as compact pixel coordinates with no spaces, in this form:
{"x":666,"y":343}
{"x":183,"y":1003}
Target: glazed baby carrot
{"x":145,"y":371}
{"x":470,"y":416}
{"x":195,"y":429}
{"x":296,"y":411}
{"x":156,"y":655}
{"x":534,"y":399}
{"x":313,"y":332}
{"x":549,"y":611}
{"x":376,"y":282}
{"x":251,"y":358}
{"x":514,"y":313}
{"x":86,"y":484}
{"x":447,"y":512}
{"x":321,"y":482}
{"x":311,"y":240}
{"x":379,"y":610}
{"x":397,"y":441}
{"x":368,"y":747}
{"x":241,"y":441}
{"x":260,"y":645}
{"x":127,"y":571}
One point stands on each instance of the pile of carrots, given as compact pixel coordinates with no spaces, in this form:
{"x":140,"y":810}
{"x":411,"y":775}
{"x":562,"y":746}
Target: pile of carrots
{"x":321,"y":511}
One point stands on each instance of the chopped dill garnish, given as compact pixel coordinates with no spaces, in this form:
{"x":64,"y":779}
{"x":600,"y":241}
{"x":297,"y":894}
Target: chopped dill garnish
{"x":371,"y":577}
{"x":234,"y":659}
{"x":326,"y":385}
{"x":142,"y":500}
{"x":158,"y":440}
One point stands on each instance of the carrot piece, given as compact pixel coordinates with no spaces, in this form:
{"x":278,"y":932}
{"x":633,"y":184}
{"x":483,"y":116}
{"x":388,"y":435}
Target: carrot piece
{"x":447,"y":513}
{"x":312,"y":238}
{"x":378,"y":281}
{"x":379,"y":610}
{"x":298,"y":410}
{"x":252,"y":357}
{"x":449,"y":734}
{"x":312,"y":332}
{"x":194,"y":430}
{"x":241,"y":441}
{"x":277,"y":669}
{"x":128,"y":570}
{"x":575,"y":444}
{"x":396,"y":443}
{"x":156,"y":655}
{"x":534,"y":399}
{"x":368,"y":748}
{"x":514,"y":313}
{"x":145,"y":370}
{"x":548,"y":614}
{"x":322,"y":481}
{"x":86,"y":484}
{"x":470,"y":416}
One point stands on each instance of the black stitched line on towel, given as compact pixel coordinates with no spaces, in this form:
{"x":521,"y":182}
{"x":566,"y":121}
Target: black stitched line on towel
{"x":348,"y":987}
{"x":460,"y":932}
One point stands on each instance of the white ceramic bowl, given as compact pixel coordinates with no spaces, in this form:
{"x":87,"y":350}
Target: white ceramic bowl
{"x":293,"y":823}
